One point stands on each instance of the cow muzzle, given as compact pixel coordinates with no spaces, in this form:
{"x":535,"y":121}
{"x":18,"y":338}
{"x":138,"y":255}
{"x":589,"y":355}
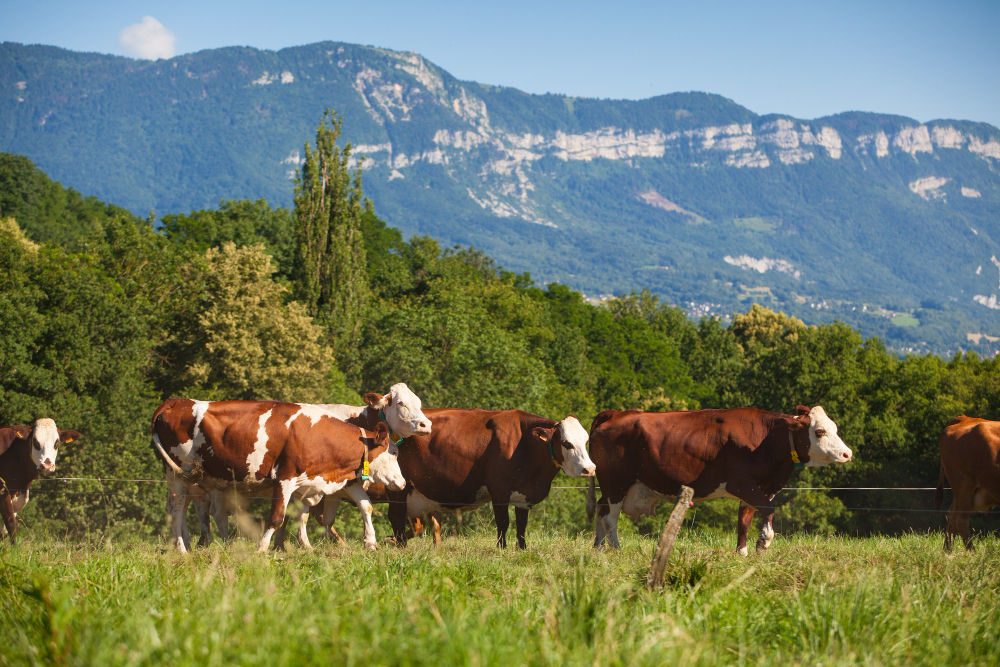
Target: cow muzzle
{"x":48,"y":465}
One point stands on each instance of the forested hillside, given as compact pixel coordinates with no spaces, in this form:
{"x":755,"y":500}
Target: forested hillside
{"x":107,"y":316}
{"x":883,"y":222}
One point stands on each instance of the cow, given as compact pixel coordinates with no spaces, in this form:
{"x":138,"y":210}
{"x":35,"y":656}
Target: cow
{"x":970,"y":458}
{"x":507,"y":457}
{"x":744,"y":453}
{"x":400,"y":410}
{"x":24,"y":452}
{"x":293,"y":450}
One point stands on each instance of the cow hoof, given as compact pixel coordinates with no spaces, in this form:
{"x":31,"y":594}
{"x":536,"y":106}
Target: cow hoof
{"x":370,"y":546}
{"x":742,"y":551}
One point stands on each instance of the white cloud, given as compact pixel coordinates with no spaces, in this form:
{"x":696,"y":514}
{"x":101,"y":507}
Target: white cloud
{"x":148,"y":39}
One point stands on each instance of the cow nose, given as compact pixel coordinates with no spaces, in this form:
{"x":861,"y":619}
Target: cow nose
{"x":589,"y":472}
{"x":49,"y":465}
{"x":847,"y":456}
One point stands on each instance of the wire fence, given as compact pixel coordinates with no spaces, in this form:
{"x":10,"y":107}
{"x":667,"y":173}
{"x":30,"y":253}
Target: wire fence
{"x":118,"y":480}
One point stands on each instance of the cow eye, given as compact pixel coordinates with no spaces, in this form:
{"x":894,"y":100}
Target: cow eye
{"x":37,"y":445}
{"x":820,"y":433}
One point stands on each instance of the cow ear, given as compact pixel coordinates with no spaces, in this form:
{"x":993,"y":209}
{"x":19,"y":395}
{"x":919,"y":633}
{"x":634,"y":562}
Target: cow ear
{"x":793,"y":423}
{"x":388,"y":399}
{"x":802,"y":410}
{"x":373,"y":400}
{"x":68,"y":436}
{"x":542,"y":433}
{"x":381,"y":432}
{"x":10,"y":434}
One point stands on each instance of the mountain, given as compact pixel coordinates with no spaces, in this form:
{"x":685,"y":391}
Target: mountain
{"x":882,"y":221}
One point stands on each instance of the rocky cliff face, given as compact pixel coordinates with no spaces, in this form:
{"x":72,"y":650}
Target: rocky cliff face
{"x":689,"y":194}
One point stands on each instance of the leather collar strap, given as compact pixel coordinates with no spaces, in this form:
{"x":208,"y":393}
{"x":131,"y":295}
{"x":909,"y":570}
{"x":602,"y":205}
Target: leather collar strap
{"x":553,"y":453}
{"x":395,"y":437}
{"x":795,"y":455}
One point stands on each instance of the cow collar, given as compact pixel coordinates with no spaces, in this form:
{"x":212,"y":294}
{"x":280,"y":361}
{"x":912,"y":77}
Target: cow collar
{"x":795,"y":454}
{"x":365,"y":467}
{"x":553,"y":453}
{"x":395,"y":437}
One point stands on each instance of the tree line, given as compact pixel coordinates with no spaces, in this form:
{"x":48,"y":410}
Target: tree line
{"x":108,"y":314}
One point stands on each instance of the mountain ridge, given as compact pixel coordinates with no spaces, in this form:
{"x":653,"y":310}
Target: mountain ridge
{"x":690,"y":194}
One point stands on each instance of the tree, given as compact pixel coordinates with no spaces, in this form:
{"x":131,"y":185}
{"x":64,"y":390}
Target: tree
{"x":329,"y":207}
{"x":243,"y":342}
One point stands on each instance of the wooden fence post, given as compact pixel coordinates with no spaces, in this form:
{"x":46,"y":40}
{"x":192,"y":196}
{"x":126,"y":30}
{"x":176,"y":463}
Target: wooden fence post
{"x":658,"y":567}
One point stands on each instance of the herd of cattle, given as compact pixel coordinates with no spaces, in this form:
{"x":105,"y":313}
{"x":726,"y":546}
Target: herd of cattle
{"x":221,"y":454}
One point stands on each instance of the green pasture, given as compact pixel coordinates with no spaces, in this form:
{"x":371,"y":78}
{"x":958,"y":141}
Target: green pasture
{"x":810,"y":600}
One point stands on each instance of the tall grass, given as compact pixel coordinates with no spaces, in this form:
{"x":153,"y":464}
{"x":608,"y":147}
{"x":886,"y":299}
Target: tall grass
{"x":811,"y":600}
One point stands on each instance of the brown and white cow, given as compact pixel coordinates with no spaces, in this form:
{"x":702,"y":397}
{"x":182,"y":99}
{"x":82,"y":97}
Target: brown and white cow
{"x":745,"y":453}
{"x":970,"y":457}
{"x":295,"y":451}
{"x":507,"y":457}
{"x":400,"y":410}
{"x":24,"y":452}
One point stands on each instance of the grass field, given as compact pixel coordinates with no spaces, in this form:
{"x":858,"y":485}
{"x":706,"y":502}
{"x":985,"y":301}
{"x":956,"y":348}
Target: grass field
{"x":809,"y":600}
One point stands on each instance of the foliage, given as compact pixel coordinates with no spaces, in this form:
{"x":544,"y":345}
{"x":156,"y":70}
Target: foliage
{"x":330,"y":254}
{"x":242,"y":341}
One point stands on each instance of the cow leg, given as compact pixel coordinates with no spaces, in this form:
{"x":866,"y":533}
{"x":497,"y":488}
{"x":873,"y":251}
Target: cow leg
{"x":303,"y":530}
{"x":416,"y":527}
{"x":397,"y":516}
{"x":436,"y":525}
{"x":521,"y":525}
{"x":203,"y":510}
{"x":357,"y":494}
{"x":279,"y":501}
{"x":743,"y":524}
{"x":766,"y":533}
{"x":219,"y":505}
{"x":9,"y":516}
{"x":330,"y":505}
{"x":607,"y":523}
{"x":959,"y":515}
{"x":176,"y":506}
{"x":501,"y":514}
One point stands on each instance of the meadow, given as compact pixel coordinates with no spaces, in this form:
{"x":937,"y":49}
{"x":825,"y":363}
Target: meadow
{"x":819,"y":600}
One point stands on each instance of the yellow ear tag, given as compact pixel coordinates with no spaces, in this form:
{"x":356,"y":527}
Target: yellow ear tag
{"x":69,"y":440}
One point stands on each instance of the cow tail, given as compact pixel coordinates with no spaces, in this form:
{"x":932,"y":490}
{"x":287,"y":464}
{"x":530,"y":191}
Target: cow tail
{"x":158,"y":448}
{"x":939,"y":492}
{"x":591,"y":499}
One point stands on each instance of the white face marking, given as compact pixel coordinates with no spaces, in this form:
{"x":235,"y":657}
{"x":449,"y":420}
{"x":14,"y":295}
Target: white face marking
{"x":825,"y":446}
{"x":44,"y":444}
{"x":256,"y":458}
{"x":404,"y":414}
{"x":576,"y":460}
{"x":385,"y":469}
{"x":641,"y":501}
{"x":313,"y":412}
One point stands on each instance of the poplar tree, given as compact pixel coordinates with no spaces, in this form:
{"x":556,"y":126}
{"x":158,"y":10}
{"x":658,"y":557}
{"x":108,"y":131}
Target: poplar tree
{"x":332,"y":279}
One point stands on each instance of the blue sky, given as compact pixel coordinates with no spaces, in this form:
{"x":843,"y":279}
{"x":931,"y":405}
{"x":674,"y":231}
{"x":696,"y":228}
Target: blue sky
{"x":918,"y":58}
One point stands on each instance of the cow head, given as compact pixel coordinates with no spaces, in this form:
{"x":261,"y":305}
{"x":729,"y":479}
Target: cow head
{"x":568,"y":442}
{"x":825,"y":446}
{"x":45,"y":439}
{"x":385,"y":467}
{"x":402,"y":411}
